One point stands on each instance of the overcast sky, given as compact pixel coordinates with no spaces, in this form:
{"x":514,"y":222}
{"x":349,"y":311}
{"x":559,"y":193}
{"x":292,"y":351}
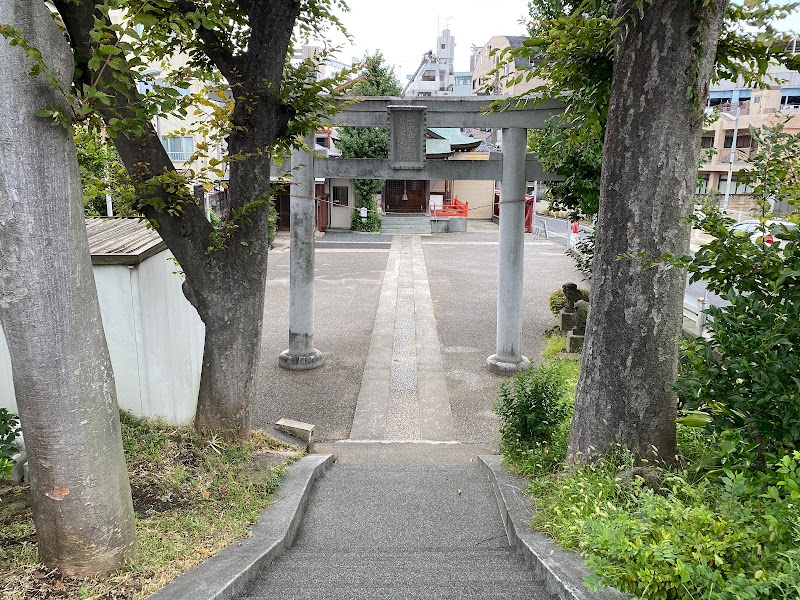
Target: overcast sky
{"x":405,"y":30}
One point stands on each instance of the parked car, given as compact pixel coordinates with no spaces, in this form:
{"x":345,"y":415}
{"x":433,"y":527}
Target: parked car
{"x":757,"y":233}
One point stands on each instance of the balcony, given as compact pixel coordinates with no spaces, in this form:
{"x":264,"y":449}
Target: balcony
{"x":743,"y":155}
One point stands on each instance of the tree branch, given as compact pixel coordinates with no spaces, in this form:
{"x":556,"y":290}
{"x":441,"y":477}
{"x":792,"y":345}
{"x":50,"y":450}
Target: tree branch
{"x":214,"y":46}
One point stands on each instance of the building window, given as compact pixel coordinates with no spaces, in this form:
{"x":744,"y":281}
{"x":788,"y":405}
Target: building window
{"x":742,"y":141}
{"x":737,"y":187}
{"x":707,"y":141}
{"x":443,"y":47}
{"x":423,"y":94}
{"x":321,"y":140}
{"x":702,"y":184}
{"x":429,"y":75}
{"x":179,"y":148}
{"x":340,"y":195}
{"x":793,"y":101}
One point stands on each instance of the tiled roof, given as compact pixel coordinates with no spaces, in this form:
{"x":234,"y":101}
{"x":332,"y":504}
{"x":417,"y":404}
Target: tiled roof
{"x":454,"y":137}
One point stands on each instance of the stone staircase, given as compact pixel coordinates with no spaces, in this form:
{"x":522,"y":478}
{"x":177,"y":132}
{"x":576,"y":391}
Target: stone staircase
{"x":400,"y":522}
{"x":405,"y":224}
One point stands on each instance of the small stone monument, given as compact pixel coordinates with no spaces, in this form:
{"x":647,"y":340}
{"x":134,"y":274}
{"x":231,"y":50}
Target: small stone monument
{"x":576,"y":336}
{"x":567,"y":314}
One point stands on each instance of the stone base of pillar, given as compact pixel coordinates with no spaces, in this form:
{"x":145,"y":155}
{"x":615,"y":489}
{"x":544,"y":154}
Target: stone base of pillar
{"x":300,"y":362}
{"x":499,"y":367}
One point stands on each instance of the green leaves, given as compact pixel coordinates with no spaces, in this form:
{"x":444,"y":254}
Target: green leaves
{"x":746,"y":376}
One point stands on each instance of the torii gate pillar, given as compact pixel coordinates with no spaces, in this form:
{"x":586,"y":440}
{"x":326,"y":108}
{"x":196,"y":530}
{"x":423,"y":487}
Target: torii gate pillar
{"x":508,"y":359}
{"x":301,"y":354}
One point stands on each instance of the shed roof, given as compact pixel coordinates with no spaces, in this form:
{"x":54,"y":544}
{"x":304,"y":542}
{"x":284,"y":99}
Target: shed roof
{"x":121,"y":241}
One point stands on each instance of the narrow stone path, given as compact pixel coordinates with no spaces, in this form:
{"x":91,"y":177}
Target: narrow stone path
{"x":403,"y":394}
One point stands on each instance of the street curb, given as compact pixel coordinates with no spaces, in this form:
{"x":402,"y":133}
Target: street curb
{"x":563,"y":572}
{"x":225,"y":576}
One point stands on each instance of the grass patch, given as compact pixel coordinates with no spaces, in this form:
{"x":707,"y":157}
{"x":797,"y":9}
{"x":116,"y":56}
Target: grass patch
{"x":192,"y":497}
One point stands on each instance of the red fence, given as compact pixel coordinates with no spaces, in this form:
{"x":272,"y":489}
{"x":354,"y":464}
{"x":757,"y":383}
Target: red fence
{"x":451,"y":208}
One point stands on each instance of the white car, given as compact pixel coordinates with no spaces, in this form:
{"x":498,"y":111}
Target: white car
{"x":754,"y":229}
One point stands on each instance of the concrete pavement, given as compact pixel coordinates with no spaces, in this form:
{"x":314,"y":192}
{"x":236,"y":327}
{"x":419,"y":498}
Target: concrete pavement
{"x":461,"y":272}
{"x":424,"y":526}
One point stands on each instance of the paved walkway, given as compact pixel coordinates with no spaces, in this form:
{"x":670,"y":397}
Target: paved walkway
{"x":400,"y":521}
{"x":403,"y":392}
{"x":406,"y":512}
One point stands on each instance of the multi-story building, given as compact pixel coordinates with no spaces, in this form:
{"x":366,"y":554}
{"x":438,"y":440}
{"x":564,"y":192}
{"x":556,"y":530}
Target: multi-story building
{"x":488,"y":79}
{"x":435,"y":75}
{"x":727,"y":144}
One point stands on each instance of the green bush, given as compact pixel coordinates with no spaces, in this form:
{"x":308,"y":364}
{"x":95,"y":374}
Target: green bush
{"x":9,"y":429}
{"x":532,"y":406}
{"x":558,"y":300}
{"x":732,"y":537}
{"x":745,"y":375}
{"x":373,"y":222}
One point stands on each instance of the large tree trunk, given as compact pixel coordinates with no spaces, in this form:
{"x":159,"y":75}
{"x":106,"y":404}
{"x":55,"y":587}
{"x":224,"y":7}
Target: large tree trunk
{"x":49,"y":310}
{"x":226,"y":286}
{"x":663,"y":63}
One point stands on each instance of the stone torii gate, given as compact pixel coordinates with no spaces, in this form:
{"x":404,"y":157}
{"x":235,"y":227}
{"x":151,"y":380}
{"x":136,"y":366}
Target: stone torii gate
{"x":407,"y":120}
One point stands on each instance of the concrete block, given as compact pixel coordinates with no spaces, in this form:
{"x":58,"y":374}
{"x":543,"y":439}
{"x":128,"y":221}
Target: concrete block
{"x":574,"y":342}
{"x":457,"y":224}
{"x":566,"y":320}
{"x":304,"y":431}
{"x":440,"y":224}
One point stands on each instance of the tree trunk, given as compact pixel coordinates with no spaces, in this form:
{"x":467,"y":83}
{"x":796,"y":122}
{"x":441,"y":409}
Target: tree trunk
{"x":226,"y":286}
{"x":233,"y":316}
{"x":663,"y":63}
{"x":48,"y":306}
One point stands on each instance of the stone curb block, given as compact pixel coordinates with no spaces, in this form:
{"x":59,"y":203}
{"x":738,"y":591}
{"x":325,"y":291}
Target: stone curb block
{"x":353,"y":245}
{"x":225,"y":576}
{"x":562,"y":572}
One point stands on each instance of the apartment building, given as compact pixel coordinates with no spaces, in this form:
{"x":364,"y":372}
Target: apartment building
{"x":485,"y":59}
{"x":726,"y":142}
{"x":435,"y":75}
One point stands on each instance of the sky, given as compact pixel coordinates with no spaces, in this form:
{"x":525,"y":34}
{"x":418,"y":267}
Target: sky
{"x":404,"y":31}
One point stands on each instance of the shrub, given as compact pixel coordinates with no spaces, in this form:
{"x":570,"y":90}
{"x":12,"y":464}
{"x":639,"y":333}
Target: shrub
{"x":732,"y":537}
{"x":744,"y":375}
{"x":9,"y":429}
{"x":532,"y":406}
{"x":373,"y":222}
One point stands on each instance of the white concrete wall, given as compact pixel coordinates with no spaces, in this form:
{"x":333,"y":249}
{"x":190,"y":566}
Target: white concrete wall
{"x":478,"y":194}
{"x":341,"y":216}
{"x":173,"y":337}
{"x":7,"y":398}
{"x":155,"y":339}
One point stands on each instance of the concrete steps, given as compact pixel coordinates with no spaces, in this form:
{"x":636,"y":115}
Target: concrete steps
{"x":378,"y":529}
{"x":405,"y":224}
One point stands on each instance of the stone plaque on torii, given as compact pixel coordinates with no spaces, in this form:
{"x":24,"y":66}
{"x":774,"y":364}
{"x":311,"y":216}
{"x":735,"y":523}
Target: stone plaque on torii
{"x":407,"y":136}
